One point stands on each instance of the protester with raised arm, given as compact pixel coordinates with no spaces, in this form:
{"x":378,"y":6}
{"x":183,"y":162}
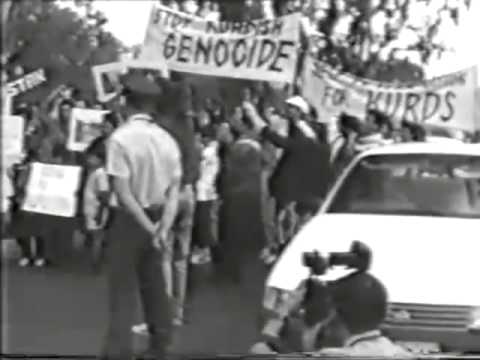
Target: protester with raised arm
{"x":303,"y":174}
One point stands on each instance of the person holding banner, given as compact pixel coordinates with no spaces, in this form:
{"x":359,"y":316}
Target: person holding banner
{"x":379,"y":131}
{"x":343,"y":146}
{"x":58,"y":232}
{"x":412,"y":132}
{"x":144,"y":163}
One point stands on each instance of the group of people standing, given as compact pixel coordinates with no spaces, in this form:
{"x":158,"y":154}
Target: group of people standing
{"x":170,"y":170}
{"x":168,"y":185}
{"x":42,"y":238}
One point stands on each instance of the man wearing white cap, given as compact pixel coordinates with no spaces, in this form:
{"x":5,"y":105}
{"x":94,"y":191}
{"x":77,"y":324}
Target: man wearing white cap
{"x":302,"y":175}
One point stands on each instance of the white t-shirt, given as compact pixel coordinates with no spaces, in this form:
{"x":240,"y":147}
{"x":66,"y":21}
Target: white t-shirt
{"x":209,"y":169}
{"x":97,"y":183}
{"x":148,"y":156}
{"x":7,"y":191}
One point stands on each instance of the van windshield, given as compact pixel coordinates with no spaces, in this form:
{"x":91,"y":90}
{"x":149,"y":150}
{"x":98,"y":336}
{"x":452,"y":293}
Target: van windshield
{"x":412,"y":184}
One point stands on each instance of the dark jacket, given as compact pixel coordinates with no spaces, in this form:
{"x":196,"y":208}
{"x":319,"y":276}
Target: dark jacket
{"x":304,"y":171}
{"x":172,"y":108}
{"x":182,"y":129}
{"x":243,"y":168}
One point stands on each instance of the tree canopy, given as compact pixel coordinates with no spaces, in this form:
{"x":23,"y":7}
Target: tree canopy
{"x":39,"y":34}
{"x":376,"y":39}
{"x":387,"y":40}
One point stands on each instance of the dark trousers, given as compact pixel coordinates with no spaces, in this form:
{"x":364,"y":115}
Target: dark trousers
{"x":205,"y":229}
{"x":95,"y":243}
{"x":59,"y":238}
{"x":242,"y":232}
{"x":133,"y":261}
{"x":26,"y":248}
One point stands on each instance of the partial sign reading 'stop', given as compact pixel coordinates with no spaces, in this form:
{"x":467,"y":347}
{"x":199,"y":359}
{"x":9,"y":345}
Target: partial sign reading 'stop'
{"x":257,"y":50}
{"x":26,"y":82}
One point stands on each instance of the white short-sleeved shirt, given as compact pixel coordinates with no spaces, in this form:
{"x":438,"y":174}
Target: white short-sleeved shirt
{"x":97,"y":183}
{"x":368,"y":344}
{"x":7,"y":192}
{"x":148,"y":156}
{"x":209,"y":168}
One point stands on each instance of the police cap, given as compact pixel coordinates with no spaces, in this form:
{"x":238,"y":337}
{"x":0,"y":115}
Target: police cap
{"x":135,"y":81}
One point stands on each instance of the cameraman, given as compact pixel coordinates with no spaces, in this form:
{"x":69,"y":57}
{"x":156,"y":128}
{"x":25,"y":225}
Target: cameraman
{"x":361,"y":306}
{"x":350,"y":326}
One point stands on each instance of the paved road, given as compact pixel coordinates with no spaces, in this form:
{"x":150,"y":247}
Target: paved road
{"x":64,"y":311}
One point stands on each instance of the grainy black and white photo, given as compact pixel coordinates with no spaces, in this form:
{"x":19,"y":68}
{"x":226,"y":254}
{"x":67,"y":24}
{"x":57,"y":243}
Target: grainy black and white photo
{"x":243,"y":178}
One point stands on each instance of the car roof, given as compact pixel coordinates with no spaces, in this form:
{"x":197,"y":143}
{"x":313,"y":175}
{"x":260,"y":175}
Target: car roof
{"x":442,"y":148}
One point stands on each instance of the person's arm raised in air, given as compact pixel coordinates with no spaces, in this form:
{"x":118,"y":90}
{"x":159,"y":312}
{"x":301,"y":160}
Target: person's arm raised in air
{"x":262,"y":127}
{"x":52,"y":102}
{"x":117,"y":168}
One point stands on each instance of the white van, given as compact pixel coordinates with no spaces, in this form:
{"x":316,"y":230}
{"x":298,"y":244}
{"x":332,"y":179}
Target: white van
{"x":417,"y":206}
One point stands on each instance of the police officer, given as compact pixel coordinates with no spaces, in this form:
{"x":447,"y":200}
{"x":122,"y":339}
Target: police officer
{"x":144,"y":163}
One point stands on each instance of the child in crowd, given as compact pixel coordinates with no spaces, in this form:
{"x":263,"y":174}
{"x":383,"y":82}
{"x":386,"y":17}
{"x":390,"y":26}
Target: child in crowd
{"x":96,"y":198}
{"x":206,"y":213}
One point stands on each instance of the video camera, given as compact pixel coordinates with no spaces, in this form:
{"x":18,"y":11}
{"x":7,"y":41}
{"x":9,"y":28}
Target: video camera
{"x":312,"y":301}
{"x":315,"y":301}
{"x":359,"y":258}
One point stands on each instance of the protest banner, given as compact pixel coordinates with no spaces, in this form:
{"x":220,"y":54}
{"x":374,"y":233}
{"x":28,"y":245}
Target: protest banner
{"x":51,"y":189}
{"x":447,"y":101}
{"x":26,"y":82}
{"x":12,"y":139}
{"x":85,"y":126}
{"x":261,"y":50}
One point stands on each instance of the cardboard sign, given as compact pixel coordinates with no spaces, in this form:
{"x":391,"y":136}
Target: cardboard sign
{"x":106,"y":77}
{"x":85,"y":126}
{"x":477,"y":109}
{"x":6,"y":102}
{"x":51,"y":189}
{"x":262,"y":50}
{"x":12,"y":139}
{"x":26,"y":82}
{"x":447,"y":101}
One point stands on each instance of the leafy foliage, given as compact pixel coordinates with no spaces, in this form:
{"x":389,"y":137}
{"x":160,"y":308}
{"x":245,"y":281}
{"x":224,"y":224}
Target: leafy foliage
{"x":377,"y":39}
{"x":39,"y":34}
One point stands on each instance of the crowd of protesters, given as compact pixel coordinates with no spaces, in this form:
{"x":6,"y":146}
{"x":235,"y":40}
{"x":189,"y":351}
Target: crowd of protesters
{"x":283,"y":157}
{"x":252,"y":175}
